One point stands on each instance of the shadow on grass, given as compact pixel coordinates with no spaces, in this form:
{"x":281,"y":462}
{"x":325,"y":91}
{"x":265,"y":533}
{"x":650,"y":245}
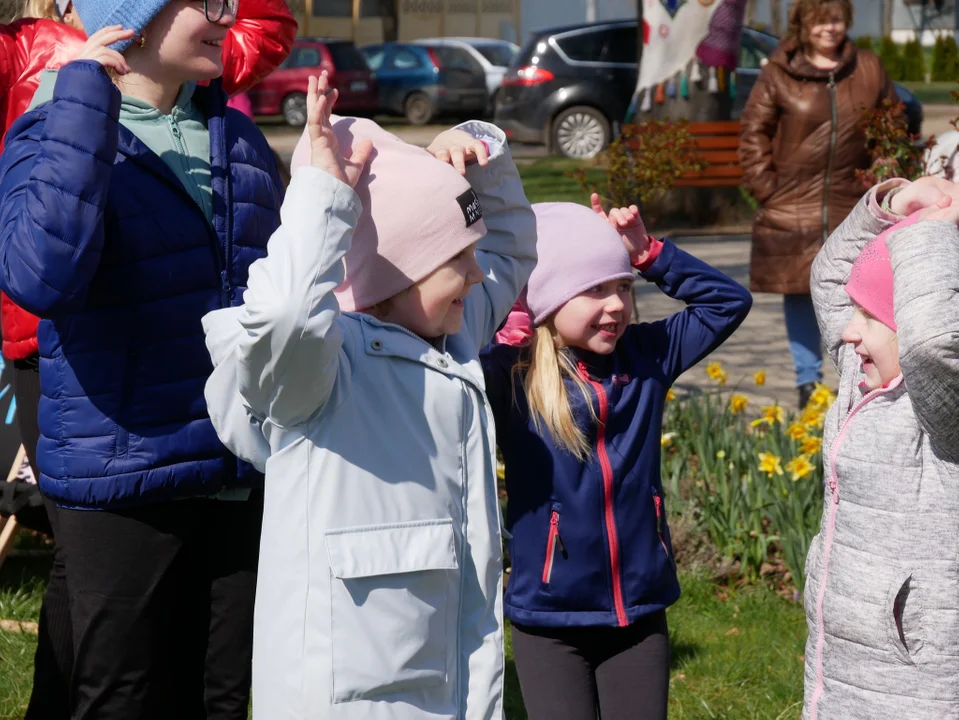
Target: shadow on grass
{"x":681,"y":652}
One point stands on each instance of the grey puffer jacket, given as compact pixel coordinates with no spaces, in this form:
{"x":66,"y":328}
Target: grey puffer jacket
{"x":882,"y":588}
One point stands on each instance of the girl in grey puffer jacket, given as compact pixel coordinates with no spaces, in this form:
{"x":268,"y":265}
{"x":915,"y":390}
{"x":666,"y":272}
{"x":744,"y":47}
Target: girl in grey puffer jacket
{"x":882,"y":589}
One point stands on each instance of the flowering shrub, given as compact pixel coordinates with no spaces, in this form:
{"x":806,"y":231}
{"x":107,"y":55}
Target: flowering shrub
{"x":895,"y":153}
{"x":752,"y":481}
{"x":644,"y":163}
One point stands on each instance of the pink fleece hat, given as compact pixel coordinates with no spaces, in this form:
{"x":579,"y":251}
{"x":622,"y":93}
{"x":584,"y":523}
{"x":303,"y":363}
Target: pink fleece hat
{"x":577,"y":250}
{"x":418,"y":212}
{"x":870,"y":282}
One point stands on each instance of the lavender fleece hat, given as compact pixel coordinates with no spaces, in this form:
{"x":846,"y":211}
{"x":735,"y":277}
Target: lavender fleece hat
{"x":577,"y":250}
{"x":131,"y":14}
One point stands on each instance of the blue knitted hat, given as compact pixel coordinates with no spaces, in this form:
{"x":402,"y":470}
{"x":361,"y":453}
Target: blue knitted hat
{"x":131,"y":14}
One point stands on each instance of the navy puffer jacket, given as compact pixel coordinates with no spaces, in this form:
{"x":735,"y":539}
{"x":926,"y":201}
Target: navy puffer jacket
{"x":100,"y":239}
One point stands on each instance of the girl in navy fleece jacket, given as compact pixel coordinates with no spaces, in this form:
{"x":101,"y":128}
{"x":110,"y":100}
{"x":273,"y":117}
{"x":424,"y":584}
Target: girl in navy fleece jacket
{"x":578,"y":413}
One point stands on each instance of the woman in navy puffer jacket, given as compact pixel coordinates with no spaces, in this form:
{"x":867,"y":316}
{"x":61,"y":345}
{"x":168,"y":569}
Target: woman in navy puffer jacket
{"x":124,"y":218}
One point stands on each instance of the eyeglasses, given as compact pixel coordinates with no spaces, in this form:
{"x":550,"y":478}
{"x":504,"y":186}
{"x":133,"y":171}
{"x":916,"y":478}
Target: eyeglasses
{"x":216,"y":9}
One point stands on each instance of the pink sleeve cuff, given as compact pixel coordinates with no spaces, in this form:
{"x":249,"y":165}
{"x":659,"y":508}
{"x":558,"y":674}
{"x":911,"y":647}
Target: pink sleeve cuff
{"x":655,"y":248}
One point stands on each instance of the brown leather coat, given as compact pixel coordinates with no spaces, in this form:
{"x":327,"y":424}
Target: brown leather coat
{"x":801,"y":144}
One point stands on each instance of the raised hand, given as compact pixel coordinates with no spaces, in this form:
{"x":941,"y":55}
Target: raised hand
{"x":459,"y":149}
{"x":97,"y":48}
{"x":324,"y":147}
{"x":926,"y":192}
{"x":630,"y":226}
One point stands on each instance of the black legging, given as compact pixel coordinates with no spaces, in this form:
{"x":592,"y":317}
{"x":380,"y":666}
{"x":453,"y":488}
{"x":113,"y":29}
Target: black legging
{"x":585,"y":673}
{"x":53,"y":662}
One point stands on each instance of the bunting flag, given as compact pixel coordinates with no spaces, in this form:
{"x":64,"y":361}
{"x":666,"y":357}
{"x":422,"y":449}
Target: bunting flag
{"x":680,"y":37}
{"x":676,"y":28}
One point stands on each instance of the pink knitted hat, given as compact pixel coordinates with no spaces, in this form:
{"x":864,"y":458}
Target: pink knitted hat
{"x":577,"y":250}
{"x":870,"y":283}
{"x":418,"y":212}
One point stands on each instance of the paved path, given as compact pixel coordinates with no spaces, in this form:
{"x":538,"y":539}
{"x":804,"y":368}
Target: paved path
{"x":759,"y":344}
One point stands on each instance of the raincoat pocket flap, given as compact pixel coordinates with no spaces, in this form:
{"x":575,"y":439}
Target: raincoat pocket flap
{"x":391,"y":549}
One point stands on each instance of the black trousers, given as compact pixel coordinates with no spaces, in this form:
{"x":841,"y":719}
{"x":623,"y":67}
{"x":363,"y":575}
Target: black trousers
{"x":588,"y":672}
{"x":53,"y":661}
{"x":161,"y":599}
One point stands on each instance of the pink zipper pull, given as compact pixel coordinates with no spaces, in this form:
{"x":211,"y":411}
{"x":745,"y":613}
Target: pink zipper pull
{"x":658,"y":502}
{"x":583,"y":370}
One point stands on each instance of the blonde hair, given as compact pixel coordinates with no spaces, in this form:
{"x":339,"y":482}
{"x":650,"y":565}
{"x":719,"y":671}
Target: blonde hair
{"x":40,"y":9}
{"x":546,"y":367}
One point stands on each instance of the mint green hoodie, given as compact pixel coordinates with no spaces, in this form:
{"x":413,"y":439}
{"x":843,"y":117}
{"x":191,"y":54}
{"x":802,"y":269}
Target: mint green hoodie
{"x":181,"y":138}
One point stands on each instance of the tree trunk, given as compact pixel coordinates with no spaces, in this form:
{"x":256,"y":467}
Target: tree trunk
{"x":775,"y":8}
{"x":391,"y":20}
{"x":887,"y":8}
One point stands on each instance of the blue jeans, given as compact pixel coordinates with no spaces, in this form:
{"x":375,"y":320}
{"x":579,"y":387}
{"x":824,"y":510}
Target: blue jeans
{"x":805,"y":343}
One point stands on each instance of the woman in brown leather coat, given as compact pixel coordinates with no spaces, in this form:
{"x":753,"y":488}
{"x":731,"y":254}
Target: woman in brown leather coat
{"x":800,"y":148}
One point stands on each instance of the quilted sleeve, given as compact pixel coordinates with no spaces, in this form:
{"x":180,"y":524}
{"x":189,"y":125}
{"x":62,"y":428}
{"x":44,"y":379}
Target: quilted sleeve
{"x":54,"y":184}
{"x":758,"y":128}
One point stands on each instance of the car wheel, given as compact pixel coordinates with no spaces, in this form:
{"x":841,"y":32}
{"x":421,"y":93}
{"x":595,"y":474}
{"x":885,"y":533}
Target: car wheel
{"x":580,"y":132}
{"x":294,"y":109}
{"x":419,"y":109}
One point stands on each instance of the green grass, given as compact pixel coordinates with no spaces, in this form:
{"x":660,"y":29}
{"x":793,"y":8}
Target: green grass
{"x":754,"y":671}
{"x":934,"y":93}
{"x":545,"y":180}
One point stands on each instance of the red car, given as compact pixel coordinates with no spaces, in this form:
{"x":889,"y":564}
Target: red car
{"x":284,"y":90}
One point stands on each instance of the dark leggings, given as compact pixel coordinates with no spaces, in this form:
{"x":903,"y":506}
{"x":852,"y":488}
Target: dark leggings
{"x":595,"y":672}
{"x":53,"y":662}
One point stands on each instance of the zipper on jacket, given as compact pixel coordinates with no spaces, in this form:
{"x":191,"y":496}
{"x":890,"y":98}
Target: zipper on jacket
{"x":222,"y":262}
{"x":607,"y":469}
{"x":833,"y":483}
{"x":833,"y":122}
{"x":658,"y":504}
{"x":553,"y":543}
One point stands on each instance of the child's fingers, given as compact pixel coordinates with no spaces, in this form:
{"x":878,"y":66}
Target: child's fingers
{"x":458,"y":158}
{"x":596,"y":204}
{"x":482,"y":155}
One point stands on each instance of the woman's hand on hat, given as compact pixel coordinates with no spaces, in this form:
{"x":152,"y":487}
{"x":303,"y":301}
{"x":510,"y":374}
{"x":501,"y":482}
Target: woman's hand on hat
{"x":459,"y":149}
{"x":97,"y":48}
{"x":630,"y":226}
{"x":324,"y":147}
{"x":926,"y":192}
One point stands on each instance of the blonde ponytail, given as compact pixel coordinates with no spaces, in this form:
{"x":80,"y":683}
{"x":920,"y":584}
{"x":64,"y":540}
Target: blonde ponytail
{"x":546,"y":393}
{"x":40,"y":9}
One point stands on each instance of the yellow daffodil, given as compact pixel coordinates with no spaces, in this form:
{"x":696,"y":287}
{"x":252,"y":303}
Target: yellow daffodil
{"x":738,"y":403}
{"x":667,"y":439}
{"x":797,"y":431}
{"x":721,"y":454}
{"x":800,"y":467}
{"x":813,"y":418}
{"x":822,"y":397}
{"x":811,"y":445}
{"x":770,"y":464}
{"x":774,"y":414}
{"x":670,"y":395}
{"x":760,"y":378}
{"x":716,"y":372}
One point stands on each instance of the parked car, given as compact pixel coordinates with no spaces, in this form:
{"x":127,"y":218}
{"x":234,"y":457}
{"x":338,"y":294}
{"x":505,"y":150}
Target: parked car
{"x":571,"y":87}
{"x":284,"y":90}
{"x":423,"y":81}
{"x":495,"y":57}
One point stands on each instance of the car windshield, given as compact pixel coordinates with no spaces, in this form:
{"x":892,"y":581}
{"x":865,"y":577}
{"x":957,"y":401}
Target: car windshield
{"x":346,"y":57}
{"x":499,"y":55}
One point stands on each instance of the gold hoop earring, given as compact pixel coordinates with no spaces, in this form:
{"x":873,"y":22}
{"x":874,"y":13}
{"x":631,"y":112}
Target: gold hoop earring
{"x":143,"y":41}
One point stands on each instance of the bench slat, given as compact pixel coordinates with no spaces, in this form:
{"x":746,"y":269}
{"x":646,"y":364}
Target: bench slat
{"x":730,"y":142}
{"x":720,"y":157}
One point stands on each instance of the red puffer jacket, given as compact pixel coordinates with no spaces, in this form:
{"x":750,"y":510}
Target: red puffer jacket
{"x":258,"y":42}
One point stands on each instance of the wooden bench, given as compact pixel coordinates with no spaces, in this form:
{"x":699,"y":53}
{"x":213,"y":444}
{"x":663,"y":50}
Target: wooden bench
{"x":718,"y":143}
